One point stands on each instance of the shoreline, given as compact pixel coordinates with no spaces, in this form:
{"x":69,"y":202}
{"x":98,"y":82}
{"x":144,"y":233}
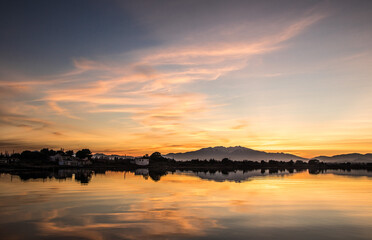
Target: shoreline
{"x":184,"y":166}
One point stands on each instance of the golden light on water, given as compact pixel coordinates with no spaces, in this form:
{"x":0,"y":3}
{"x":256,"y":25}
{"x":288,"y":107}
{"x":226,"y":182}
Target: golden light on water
{"x":185,"y":205}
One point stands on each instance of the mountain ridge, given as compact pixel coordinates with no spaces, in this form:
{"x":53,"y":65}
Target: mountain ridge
{"x":239,"y":153}
{"x":348,"y":157}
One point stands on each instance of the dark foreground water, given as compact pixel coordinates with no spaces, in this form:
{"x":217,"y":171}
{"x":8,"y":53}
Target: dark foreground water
{"x":235,"y":205}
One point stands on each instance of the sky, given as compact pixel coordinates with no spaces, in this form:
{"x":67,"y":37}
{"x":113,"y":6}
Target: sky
{"x":134,"y":77}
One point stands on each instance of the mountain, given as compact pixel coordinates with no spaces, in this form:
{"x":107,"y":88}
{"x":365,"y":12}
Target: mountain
{"x":351,"y":157}
{"x":237,"y":153}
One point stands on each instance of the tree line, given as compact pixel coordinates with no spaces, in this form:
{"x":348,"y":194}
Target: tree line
{"x":44,"y":154}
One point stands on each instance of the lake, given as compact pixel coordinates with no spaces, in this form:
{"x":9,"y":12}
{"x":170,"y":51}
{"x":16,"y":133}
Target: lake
{"x":83,"y":204}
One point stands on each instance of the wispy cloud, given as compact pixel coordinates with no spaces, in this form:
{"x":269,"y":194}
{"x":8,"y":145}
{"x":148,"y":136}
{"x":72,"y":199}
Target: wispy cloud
{"x":61,"y":111}
{"x":147,"y":88}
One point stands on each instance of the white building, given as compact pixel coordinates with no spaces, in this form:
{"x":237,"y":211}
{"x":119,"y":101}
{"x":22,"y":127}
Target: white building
{"x":141,"y":161}
{"x":99,"y":156}
{"x":56,"y":158}
{"x":74,"y":162}
{"x":69,"y":161}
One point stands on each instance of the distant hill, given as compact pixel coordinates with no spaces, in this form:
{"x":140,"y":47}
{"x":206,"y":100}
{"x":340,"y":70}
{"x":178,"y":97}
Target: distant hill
{"x":237,"y":153}
{"x":351,"y":157}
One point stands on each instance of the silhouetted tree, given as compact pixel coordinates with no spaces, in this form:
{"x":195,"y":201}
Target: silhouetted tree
{"x":226,"y":161}
{"x":69,"y":153}
{"x":157,"y":157}
{"x":313,"y":162}
{"x":34,"y":156}
{"x":273,"y":162}
{"x":48,"y":152}
{"x":84,"y":153}
{"x":45,"y":151}
{"x":61,"y":152}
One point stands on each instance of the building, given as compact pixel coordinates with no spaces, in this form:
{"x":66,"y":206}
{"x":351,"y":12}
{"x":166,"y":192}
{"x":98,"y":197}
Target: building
{"x":56,"y":158}
{"x":101,"y":156}
{"x":140,"y":161}
{"x":70,"y":161}
{"x":4,"y":161}
{"x":74,"y":162}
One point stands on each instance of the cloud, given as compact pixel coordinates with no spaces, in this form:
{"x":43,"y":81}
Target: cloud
{"x":19,"y":144}
{"x":22,"y":121}
{"x":240,"y":126}
{"x":61,"y":111}
{"x":166,"y":68}
{"x":147,"y":89}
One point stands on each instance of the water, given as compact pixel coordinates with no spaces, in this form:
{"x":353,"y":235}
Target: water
{"x":186,"y":205}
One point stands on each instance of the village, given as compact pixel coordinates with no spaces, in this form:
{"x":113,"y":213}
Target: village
{"x":69,"y":159}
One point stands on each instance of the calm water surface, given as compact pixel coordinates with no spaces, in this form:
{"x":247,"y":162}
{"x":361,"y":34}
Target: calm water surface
{"x":237,"y":205}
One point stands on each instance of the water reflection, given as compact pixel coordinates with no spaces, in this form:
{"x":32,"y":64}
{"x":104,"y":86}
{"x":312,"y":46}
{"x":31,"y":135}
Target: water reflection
{"x":239,"y":175}
{"x":186,"y":205}
{"x":84,"y":176}
{"x":351,"y":173}
{"x":80,"y":175}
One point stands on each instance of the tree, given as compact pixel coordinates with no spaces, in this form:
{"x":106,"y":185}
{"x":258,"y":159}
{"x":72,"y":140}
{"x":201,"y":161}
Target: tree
{"x":299,"y":162}
{"x":313,"y":162}
{"x":84,"y":153}
{"x":226,"y":161}
{"x":69,"y":153}
{"x":34,"y":156}
{"x":48,"y":152}
{"x":156,"y":157}
{"x":45,"y":151}
{"x":61,"y":152}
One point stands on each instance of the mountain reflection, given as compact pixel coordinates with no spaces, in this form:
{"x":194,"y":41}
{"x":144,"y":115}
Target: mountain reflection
{"x":237,"y":176}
